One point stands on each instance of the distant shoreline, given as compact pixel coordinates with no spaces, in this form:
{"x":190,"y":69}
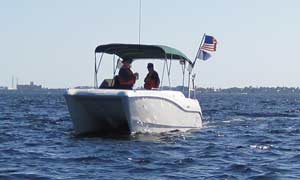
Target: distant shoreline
{"x":244,"y":90}
{"x":251,"y":90}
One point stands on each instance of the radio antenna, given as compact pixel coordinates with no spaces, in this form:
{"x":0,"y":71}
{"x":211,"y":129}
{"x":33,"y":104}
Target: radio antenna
{"x":140,"y":21}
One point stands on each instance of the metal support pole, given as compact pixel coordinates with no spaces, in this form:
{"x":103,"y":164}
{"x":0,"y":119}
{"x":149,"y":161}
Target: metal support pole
{"x":194,"y":89}
{"x":189,"y":92}
{"x":100,"y":62}
{"x":96,"y":70}
{"x":163,"y":73}
{"x":168,"y":72}
{"x":95,"y":73}
{"x":114,"y":63}
{"x":183,"y":75}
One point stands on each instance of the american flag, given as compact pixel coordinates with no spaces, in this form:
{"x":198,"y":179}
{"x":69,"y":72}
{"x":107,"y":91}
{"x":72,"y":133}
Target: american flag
{"x":210,"y":43}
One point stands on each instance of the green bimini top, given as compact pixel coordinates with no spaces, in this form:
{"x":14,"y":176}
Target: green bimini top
{"x":140,"y":51}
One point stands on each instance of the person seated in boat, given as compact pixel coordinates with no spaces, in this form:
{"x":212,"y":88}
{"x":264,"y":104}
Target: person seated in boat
{"x":126,"y":78}
{"x":152,"y":79}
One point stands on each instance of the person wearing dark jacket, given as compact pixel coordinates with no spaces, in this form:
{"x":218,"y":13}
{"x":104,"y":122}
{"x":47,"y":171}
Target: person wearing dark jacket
{"x":126,"y":78}
{"x":152,"y":79}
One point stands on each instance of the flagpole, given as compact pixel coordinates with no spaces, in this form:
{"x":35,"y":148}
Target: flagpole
{"x":199,"y":49}
{"x":189,"y":93}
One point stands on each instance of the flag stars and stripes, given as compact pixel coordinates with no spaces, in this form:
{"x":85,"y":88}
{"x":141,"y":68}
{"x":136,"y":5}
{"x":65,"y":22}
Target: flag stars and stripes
{"x":210,"y":43}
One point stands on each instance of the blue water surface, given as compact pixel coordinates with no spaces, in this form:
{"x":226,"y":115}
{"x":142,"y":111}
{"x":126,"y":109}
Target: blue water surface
{"x":245,"y":136}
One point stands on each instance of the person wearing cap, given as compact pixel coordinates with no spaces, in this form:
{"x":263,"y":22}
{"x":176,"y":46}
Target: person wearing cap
{"x":126,"y":78}
{"x":152,"y":79}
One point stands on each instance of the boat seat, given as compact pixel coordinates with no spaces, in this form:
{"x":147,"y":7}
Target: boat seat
{"x":110,"y":83}
{"x":107,"y":84}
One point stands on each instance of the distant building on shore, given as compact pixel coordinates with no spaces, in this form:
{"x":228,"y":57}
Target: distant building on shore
{"x":3,"y":88}
{"x":29,"y":87}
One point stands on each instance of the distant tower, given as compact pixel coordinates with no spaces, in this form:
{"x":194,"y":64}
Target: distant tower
{"x":17,"y":83}
{"x":12,"y":83}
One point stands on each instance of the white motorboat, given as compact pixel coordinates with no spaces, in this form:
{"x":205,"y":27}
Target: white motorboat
{"x":109,"y":110}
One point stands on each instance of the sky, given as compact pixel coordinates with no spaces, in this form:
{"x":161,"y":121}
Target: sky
{"x":52,"y":43}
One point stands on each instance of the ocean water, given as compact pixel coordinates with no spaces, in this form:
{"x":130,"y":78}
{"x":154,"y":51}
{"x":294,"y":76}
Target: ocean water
{"x":245,"y":136}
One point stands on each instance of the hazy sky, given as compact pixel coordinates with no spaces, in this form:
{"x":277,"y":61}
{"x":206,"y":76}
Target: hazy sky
{"x":52,"y":42}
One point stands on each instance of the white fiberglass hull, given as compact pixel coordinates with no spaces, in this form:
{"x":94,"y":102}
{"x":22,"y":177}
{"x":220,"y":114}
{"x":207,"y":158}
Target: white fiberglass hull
{"x":131,"y":111}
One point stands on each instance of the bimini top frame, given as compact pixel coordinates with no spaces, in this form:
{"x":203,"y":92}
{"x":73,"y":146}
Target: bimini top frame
{"x":133,"y":52}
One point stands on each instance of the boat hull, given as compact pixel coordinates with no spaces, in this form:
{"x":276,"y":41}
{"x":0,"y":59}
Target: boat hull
{"x":131,"y":111}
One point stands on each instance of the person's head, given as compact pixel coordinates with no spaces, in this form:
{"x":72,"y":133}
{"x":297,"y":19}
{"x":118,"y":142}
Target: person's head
{"x":126,"y":62}
{"x":150,"y":67}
